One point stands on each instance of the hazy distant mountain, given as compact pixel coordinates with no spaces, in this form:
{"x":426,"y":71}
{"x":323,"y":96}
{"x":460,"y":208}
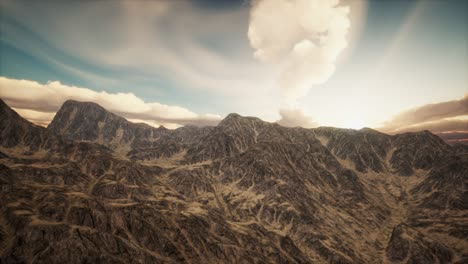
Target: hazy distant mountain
{"x":94,"y":187}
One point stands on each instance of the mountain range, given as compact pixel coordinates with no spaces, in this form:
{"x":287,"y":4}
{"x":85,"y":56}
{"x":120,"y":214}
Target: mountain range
{"x":94,"y":187}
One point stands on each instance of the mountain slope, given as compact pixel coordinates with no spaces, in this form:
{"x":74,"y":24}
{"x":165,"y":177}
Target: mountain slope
{"x":15,"y":131}
{"x":245,"y":191}
{"x":81,"y":204}
{"x":84,"y":121}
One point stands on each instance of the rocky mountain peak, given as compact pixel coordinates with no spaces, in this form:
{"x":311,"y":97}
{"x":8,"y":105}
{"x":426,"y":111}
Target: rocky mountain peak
{"x":81,"y":120}
{"x":86,"y":121}
{"x":235,"y":121}
{"x":72,"y":110}
{"x":15,"y":130}
{"x":369,"y":130}
{"x":233,"y":115}
{"x":85,"y":105}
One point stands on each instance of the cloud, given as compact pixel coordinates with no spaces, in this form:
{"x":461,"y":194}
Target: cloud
{"x":432,"y":112}
{"x":440,"y":126}
{"x":449,"y":120}
{"x":294,"y":118}
{"x":37,"y":102}
{"x":437,"y":117}
{"x":36,"y":117}
{"x":454,"y":137}
{"x":154,"y":124}
{"x":306,"y":35}
{"x":166,"y":49}
{"x":91,"y":35}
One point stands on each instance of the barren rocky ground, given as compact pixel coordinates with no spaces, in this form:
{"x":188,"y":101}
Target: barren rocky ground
{"x":96,"y":188}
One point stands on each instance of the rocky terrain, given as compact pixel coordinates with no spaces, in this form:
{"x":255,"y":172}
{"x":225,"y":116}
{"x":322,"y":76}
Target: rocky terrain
{"x":96,"y":188}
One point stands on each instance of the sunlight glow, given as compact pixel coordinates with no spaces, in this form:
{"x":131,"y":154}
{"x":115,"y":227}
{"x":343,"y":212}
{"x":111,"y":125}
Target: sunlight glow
{"x":354,"y":123}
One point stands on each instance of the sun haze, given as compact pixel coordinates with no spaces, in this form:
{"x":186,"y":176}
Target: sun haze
{"x":349,"y":64}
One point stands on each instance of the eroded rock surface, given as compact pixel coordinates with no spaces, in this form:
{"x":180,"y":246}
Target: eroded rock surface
{"x":94,"y":187}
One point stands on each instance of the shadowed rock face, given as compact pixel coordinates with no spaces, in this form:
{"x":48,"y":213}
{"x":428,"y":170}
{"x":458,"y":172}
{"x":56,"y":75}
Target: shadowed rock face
{"x":90,"y":122}
{"x":93,"y":187}
{"x":417,"y":150}
{"x":366,"y":148}
{"x":15,"y":131}
{"x":409,"y":245}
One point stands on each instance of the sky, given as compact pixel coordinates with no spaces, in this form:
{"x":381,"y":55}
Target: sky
{"x":395,"y":66}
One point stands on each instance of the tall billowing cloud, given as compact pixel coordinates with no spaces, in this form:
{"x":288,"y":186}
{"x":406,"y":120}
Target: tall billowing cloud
{"x":305,"y":35}
{"x":295,"y":117}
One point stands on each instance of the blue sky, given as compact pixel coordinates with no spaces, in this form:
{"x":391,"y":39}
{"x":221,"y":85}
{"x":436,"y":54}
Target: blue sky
{"x":196,"y":55}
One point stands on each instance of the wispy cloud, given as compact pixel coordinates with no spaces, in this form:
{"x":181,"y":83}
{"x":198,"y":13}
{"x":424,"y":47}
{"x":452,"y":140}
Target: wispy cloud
{"x":169,"y":51}
{"x":38,"y":102}
{"x":439,"y":126}
{"x":448,"y":119}
{"x":144,"y":40}
{"x":437,"y":117}
{"x":454,"y":137}
{"x":36,"y":117}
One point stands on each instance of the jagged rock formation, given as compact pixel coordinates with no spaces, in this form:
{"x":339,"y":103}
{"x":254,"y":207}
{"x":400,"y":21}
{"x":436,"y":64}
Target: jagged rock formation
{"x":93,"y":187}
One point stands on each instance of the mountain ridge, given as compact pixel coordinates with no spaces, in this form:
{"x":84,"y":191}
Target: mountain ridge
{"x":245,"y":191}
